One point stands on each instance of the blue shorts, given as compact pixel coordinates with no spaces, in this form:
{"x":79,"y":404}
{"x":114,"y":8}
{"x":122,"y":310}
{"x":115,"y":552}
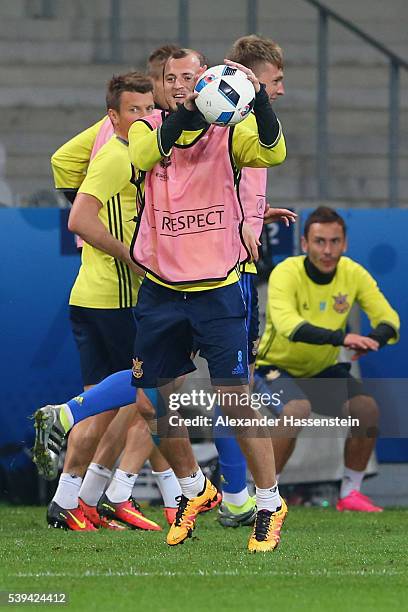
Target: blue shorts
{"x":327,"y":391}
{"x":105,"y":338}
{"x":170,"y":323}
{"x":250,"y":292}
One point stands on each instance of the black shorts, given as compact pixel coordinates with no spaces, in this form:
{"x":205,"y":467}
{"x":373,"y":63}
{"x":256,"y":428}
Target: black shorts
{"x":250,"y":293}
{"x":327,"y":391}
{"x":104,"y":337}
{"x":170,"y":324}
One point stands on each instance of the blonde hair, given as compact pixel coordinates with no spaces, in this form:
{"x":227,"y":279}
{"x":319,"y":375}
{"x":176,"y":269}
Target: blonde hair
{"x":253,"y":50}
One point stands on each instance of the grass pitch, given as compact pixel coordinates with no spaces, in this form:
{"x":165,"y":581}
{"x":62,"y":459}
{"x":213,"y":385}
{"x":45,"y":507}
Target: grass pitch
{"x":326,"y":561}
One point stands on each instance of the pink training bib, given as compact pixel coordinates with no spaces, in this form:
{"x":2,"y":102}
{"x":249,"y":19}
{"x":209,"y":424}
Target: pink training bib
{"x":252,"y":195}
{"x":189,"y":225}
{"x":105,"y":133}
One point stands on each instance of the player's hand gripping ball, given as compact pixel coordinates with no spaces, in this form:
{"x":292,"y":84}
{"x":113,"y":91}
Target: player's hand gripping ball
{"x":225,"y":95}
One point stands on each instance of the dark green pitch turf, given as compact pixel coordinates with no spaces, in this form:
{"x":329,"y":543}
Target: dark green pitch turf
{"x":326,"y":561}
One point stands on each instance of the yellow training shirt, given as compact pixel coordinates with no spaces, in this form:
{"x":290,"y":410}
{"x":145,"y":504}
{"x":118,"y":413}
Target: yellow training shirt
{"x":70,"y":162}
{"x":103,"y":281}
{"x":294,"y":299}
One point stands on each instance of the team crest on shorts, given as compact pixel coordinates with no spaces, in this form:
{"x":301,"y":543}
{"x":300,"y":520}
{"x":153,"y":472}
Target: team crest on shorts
{"x":341,"y":304}
{"x":137,"y":369}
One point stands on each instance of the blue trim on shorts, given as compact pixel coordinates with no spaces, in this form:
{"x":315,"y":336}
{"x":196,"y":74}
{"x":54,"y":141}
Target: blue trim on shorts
{"x":250,"y":295}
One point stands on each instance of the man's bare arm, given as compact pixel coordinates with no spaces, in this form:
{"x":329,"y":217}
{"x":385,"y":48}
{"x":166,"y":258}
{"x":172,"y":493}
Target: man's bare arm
{"x":84,"y":221}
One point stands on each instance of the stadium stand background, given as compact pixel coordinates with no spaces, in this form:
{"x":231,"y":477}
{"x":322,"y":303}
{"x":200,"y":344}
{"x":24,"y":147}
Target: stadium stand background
{"x":53,"y":72}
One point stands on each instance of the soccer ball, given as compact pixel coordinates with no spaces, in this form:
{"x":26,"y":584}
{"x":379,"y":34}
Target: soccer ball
{"x":225,"y":95}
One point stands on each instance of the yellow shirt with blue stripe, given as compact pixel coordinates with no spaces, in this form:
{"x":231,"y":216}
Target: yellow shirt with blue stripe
{"x":102,"y":281}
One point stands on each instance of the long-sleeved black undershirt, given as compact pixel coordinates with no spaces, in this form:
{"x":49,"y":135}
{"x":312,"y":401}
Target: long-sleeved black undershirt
{"x":183,"y":119}
{"x":266,"y":120}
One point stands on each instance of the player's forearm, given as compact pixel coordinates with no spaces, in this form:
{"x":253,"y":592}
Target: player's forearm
{"x":170,"y":130}
{"x":269,"y":128}
{"x":312,"y":334}
{"x":382,"y":334}
{"x":94,"y":233}
{"x":104,"y":241}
